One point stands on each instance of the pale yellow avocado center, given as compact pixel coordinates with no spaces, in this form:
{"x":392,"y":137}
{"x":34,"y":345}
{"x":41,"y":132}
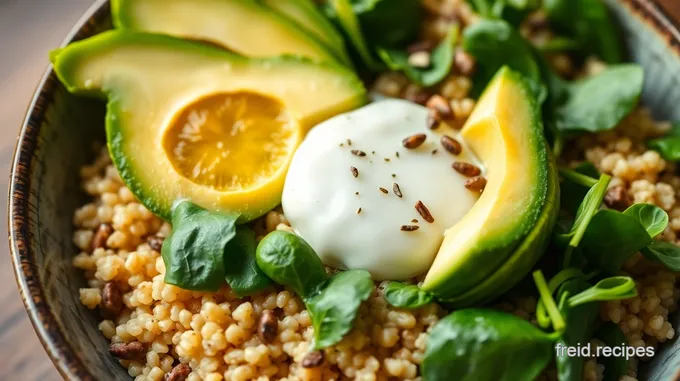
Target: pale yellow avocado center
{"x":231,"y":141}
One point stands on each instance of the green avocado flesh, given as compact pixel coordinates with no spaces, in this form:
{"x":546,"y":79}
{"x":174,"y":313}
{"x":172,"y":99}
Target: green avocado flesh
{"x":242,"y":26}
{"x":148,"y":79}
{"x":505,"y":131}
{"x":309,"y":18}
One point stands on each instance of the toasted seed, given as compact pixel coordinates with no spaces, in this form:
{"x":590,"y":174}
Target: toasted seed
{"x":476,"y":183}
{"x":617,"y":198}
{"x":112,"y":301}
{"x":356,"y":193}
{"x":355,"y":172}
{"x":464,"y":62}
{"x":409,"y":228}
{"x":359,"y":211}
{"x":133,"y":350}
{"x":396,"y":190}
{"x":383,"y":190}
{"x":416,"y":95}
{"x":424,"y":212}
{"x":357,"y":152}
{"x":155,"y":243}
{"x":440,"y":105}
{"x":349,"y":142}
{"x":178,"y":373}
{"x":102,"y":234}
{"x":466,"y":169}
{"x":394,"y":175}
{"x":387,"y":159}
{"x":396,"y":154}
{"x":450,"y":144}
{"x":314,"y":359}
{"x":415,"y":221}
{"x":434,"y":151}
{"x":434,"y":119}
{"x":414,"y":141}
{"x":268,"y":326}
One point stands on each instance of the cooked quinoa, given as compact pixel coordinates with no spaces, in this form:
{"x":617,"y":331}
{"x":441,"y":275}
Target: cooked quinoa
{"x":221,"y":337}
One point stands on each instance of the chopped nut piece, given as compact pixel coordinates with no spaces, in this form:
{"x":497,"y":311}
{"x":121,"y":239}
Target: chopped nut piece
{"x":409,"y":228}
{"x":416,"y":95}
{"x":424,"y":212}
{"x":434,"y":119}
{"x":464,"y":62}
{"x":357,"y":152}
{"x":396,"y":190}
{"x":419,"y":59}
{"x":155,"y":243}
{"x":440,"y":105}
{"x":269,"y":326}
{"x":314,"y":359}
{"x":476,"y":183}
{"x":451,"y":145}
{"x":112,"y":301}
{"x":178,"y":373}
{"x":133,"y":350}
{"x":617,"y":198}
{"x":414,"y":141}
{"x":466,"y":169}
{"x":355,"y":172}
{"x":103,"y":233}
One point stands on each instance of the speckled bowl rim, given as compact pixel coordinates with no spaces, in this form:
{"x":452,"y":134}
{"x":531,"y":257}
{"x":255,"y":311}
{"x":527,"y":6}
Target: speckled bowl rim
{"x":57,"y":346}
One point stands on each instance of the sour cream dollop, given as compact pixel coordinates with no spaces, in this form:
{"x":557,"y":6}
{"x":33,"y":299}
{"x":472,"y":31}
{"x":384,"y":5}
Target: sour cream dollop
{"x":361,"y":222}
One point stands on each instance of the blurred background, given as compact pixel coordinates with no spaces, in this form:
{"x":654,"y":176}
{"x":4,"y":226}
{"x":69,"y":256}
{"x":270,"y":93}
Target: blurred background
{"x":28,"y":30}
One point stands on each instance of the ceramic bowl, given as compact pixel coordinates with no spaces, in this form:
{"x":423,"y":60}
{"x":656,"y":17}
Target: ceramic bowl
{"x":54,"y":143}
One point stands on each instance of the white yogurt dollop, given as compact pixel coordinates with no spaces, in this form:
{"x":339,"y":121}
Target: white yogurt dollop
{"x":349,"y":221}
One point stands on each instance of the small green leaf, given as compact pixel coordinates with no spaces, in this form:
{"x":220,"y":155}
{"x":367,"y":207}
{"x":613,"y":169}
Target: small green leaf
{"x":242,"y":273}
{"x":334,"y":309}
{"x":288,"y":260}
{"x":611,"y":238}
{"x":613,"y":288}
{"x":349,"y":22}
{"x":664,"y":252}
{"x":612,"y":336}
{"x":494,"y":44}
{"x":512,"y":11}
{"x":548,"y":301}
{"x":589,"y":206}
{"x":485,"y":345}
{"x":652,"y":218}
{"x":669,"y":145}
{"x":600,"y":102}
{"x":194,"y":252}
{"x":573,"y":192}
{"x":441,"y":61}
{"x":406,"y":295}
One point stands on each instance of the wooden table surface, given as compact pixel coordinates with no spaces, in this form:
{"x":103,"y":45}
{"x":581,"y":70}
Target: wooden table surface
{"x":28,"y":29}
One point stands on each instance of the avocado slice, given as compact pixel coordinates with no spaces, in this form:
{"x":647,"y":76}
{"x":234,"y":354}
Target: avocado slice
{"x":310,"y":18}
{"x":151,"y":79}
{"x":505,"y":131}
{"x":242,"y":26}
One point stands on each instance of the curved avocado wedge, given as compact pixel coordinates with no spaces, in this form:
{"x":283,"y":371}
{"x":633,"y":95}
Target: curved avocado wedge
{"x":523,"y":259}
{"x":505,"y":131}
{"x":150,"y":80}
{"x":242,"y":26}
{"x":310,"y":18}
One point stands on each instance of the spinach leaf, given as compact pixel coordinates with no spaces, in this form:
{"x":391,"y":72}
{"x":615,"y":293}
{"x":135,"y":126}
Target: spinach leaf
{"x":406,"y":295}
{"x":613,"y":288}
{"x":664,"y":252}
{"x":611,"y":238}
{"x":589,"y":23}
{"x":242,"y":273}
{"x":194,"y":252}
{"x":586,"y":211}
{"x":580,"y":320}
{"x":599,"y":103}
{"x":651,"y":217}
{"x":342,"y":12}
{"x":573,"y":190}
{"x":289,"y":260}
{"x":512,"y":11}
{"x":485,"y":345}
{"x":494,"y":44}
{"x":669,"y":145}
{"x":440,"y":64}
{"x":548,"y":302}
{"x":614,"y":366}
{"x":334,"y":309}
